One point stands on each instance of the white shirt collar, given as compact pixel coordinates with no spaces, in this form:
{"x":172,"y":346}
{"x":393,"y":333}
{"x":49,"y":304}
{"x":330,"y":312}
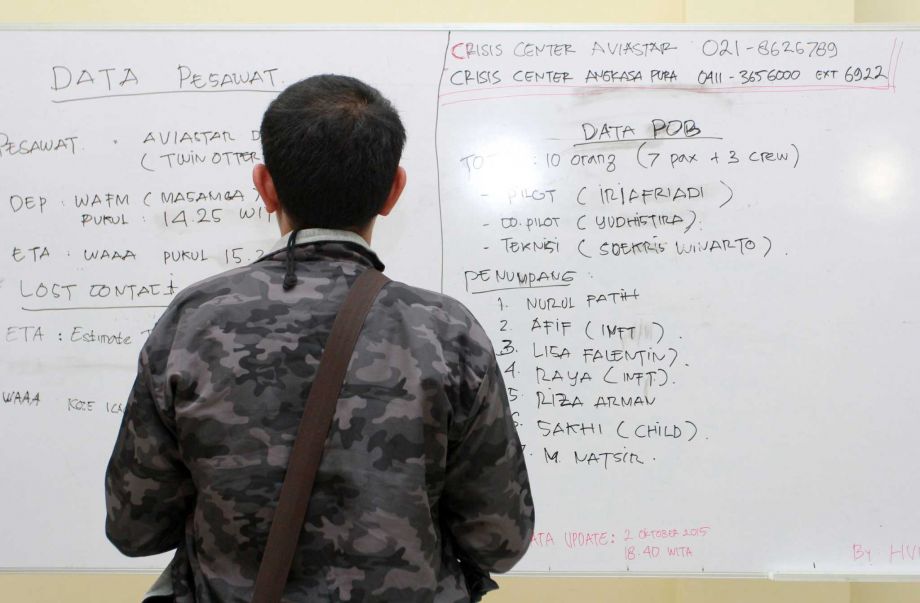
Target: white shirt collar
{"x":315,"y":235}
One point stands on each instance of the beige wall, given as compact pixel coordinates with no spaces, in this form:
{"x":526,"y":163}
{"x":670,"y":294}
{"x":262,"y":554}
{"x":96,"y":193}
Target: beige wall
{"x":110,"y":588}
{"x":887,"y":11}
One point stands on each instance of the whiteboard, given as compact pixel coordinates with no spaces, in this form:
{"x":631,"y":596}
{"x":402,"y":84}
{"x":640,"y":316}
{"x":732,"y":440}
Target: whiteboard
{"x":694,"y":251}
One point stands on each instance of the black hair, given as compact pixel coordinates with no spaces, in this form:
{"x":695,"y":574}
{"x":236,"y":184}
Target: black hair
{"x":332,"y":146}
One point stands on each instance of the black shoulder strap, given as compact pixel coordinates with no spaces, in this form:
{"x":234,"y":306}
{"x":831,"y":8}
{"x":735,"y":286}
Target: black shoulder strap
{"x":311,"y":437}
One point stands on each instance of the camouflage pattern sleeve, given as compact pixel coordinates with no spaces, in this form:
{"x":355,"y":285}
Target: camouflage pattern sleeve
{"x":148,"y":489}
{"x":487,"y":503}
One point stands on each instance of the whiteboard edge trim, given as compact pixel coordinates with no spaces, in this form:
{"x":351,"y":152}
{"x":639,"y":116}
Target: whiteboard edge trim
{"x":471,"y":27}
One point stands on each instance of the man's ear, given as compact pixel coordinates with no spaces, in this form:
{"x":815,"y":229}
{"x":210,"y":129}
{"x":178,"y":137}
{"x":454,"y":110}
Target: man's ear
{"x":399,"y":183}
{"x":266,"y":187}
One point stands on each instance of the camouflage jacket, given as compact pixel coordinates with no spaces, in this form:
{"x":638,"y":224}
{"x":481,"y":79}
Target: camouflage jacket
{"x":422,"y":464}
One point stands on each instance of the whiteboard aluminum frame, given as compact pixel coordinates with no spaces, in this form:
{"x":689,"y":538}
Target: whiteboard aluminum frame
{"x":478,"y":27}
